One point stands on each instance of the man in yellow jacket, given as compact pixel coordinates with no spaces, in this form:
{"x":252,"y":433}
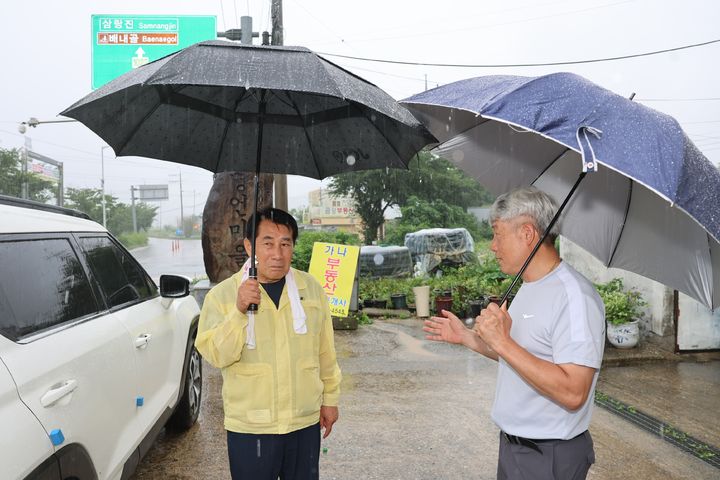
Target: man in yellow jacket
{"x":281,"y":380}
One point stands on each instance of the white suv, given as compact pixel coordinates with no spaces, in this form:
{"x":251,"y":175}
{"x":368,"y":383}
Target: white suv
{"x":93,"y":361}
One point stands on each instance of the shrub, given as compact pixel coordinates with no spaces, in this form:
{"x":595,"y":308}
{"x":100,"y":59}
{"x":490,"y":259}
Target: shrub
{"x":132,"y":240}
{"x":621,"y":306}
{"x":467,"y":283}
{"x":304,"y":246}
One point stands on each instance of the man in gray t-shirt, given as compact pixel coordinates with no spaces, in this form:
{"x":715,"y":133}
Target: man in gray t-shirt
{"x":549,"y":346}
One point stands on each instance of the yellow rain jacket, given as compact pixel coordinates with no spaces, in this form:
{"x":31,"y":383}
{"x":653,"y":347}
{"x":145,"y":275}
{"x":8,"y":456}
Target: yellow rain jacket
{"x":279,"y":386}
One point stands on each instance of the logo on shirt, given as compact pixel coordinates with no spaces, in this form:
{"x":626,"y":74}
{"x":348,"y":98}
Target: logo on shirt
{"x":528,"y":315}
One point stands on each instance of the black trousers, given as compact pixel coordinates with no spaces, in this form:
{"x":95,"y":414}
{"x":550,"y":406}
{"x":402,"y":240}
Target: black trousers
{"x":291,"y":456}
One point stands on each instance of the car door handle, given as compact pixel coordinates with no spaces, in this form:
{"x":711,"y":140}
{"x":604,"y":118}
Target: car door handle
{"x":142,"y":340}
{"x":58,"y":392}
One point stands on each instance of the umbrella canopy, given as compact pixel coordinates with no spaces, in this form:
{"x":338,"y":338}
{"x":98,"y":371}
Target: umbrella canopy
{"x":652,"y":206}
{"x":210,"y":105}
{"x":201,"y":106}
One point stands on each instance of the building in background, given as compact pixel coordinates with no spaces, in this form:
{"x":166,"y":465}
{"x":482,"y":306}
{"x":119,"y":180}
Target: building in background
{"x":330,"y":212}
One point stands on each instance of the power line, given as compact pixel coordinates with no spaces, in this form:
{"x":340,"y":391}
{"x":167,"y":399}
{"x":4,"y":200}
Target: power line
{"x":222,"y":11}
{"x":512,"y":65}
{"x":477,"y":27}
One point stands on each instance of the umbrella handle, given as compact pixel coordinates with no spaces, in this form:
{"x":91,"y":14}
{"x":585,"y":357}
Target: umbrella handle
{"x":542,"y":238}
{"x":252,"y":273}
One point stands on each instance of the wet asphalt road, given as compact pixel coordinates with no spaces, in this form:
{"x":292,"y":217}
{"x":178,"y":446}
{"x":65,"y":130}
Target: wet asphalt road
{"x":417,"y":410}
{"x":159,"y":257}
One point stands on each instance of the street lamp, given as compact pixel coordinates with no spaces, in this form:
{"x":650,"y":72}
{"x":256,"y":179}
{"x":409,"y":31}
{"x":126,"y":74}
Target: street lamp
{"x":102,"y":182}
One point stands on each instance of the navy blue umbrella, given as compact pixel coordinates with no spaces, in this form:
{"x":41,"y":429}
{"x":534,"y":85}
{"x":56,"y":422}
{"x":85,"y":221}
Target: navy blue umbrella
{"x":649,"y":203}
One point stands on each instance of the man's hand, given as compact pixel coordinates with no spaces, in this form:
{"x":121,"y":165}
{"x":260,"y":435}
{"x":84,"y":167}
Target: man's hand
{"x":493,"y":325}
{"x":448,"y":328}
{"x":248,"y":292}
{"x":328,"y":417}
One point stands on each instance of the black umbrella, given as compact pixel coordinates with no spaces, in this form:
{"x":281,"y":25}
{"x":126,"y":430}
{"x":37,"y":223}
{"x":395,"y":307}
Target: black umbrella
{"x":211,"y":105}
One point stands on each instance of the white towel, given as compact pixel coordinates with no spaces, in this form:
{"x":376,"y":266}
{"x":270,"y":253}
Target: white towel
{"x":296,"y":308}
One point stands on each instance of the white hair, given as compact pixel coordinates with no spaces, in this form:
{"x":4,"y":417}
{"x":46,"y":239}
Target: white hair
{"x":529,"y":202}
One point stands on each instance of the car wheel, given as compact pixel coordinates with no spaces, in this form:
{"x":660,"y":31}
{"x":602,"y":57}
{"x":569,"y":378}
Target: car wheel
{"x":188,"y":408}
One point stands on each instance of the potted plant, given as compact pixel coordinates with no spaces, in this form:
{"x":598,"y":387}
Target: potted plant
{"x":375,"y":293}
{"x":623,"y":310}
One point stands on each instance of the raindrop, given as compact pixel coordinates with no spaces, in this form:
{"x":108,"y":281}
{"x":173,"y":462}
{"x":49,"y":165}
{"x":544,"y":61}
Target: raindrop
{"x":447,"y":127}
{"x":350,"y":160}
{"x":378,"y":259}
{"x":458,"y":156}
{"x":373,"y":117}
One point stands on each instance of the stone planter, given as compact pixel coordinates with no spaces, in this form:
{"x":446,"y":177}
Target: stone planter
{"x":625,"y":335}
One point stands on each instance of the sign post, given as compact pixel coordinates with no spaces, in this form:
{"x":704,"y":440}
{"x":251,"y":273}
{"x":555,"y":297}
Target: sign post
{"x":334,"y":266}
{"x":123,"y":42}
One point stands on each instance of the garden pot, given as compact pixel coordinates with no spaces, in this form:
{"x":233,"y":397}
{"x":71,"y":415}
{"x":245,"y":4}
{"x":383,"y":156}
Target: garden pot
{"x":443,"y":303}
{"x":496,"y":300}
{"x":493,"y":299}
{"x":399,"y":301}
{"x":422,"y":301}
{"x":475,"y":307}
{"x":375,"y":303}
{"x":625,"y":335}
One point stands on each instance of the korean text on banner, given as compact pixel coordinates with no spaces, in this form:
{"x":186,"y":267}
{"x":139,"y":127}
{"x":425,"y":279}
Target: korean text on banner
{"x":334,"y":266}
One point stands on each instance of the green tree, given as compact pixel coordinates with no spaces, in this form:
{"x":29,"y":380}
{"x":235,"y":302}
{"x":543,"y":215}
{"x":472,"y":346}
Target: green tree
{"x":429,"y":178}
{"x":88,"y":200}
{"x":298,"y":213}
{"x":12,"y":178}
{"x":118,"y":214}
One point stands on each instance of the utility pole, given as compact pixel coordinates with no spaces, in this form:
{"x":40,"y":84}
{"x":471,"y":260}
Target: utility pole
{"x":229,"y":201}
{"x":281,"y":192}
{"x":132,"y":202}
{"x":25,"y":187}
{"x":182,"y":214}
{"x":102,"y":183}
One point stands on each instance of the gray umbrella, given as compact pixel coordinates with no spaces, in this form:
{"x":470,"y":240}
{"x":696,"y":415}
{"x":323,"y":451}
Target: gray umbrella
{"x":224,"y":106}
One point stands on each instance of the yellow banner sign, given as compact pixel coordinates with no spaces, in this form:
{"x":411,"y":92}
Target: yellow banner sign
{"x":334,"y":265}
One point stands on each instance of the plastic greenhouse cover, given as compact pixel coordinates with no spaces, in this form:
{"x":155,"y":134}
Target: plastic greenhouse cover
{"x":385,"y":262}
{"x":432,"y":247}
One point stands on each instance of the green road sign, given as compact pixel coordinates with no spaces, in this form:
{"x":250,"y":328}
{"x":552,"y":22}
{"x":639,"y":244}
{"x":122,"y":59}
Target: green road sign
{"x":123,"y":42}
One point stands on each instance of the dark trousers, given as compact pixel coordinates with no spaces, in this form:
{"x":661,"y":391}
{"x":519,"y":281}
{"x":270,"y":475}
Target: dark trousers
{"x":291,"y":456}
{"x":557,"y":459}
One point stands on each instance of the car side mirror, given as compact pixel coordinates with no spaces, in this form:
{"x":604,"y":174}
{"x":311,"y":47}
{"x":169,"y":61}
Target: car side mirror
{"x":174,"y":286}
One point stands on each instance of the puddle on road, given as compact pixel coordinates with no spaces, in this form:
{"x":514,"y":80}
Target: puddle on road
{"x":408,"y":343}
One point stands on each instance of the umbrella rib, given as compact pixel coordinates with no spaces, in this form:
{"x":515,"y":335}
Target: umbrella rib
{"x":550,"y":164}
{"x":305,"y":132}
{"x":710,"y":255}
{"x":225,"y":131}
{"x":622,"y":228}
{"x":134,"y":130}
{"x":394,"y":149}
{"x":183,"y":101}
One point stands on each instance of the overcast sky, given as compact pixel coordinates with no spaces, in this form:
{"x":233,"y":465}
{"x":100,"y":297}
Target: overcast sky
{"x":46,"y":52}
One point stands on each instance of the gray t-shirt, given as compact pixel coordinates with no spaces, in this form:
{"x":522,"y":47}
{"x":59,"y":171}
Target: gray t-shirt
{"x":559,"y":318}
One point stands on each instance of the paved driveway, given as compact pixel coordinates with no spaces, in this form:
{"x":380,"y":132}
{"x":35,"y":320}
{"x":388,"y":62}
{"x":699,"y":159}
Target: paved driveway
{"x":415,"y":410}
